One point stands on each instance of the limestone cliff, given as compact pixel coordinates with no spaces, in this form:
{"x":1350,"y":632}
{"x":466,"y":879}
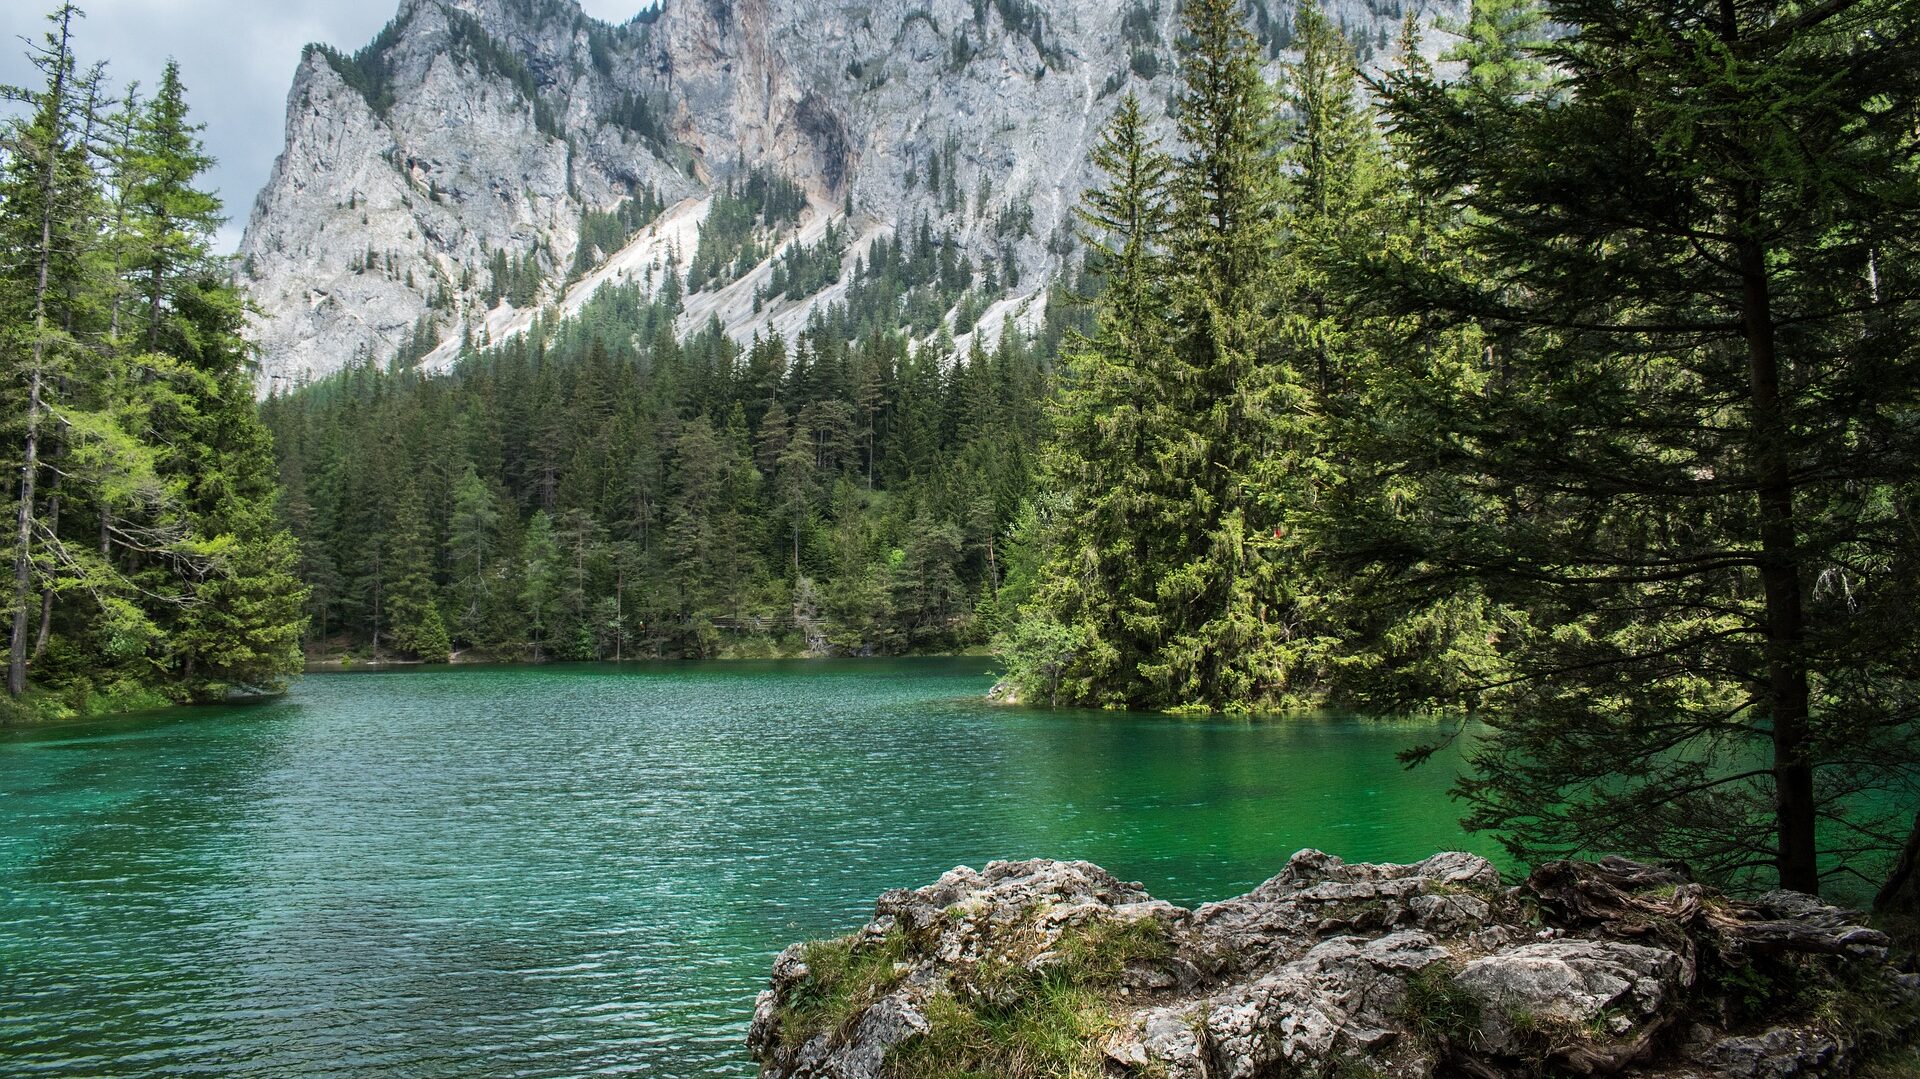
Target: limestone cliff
{"x":474,"y":128}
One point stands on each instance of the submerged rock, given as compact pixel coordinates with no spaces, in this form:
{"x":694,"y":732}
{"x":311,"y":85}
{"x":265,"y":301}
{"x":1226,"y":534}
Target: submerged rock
{"x":1046,"y":968}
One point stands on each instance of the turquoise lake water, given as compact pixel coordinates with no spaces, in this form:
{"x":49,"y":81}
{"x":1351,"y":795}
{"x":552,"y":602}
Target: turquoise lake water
{"x":571,"y":871}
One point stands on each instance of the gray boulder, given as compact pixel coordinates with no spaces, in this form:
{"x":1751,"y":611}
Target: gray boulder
{"x":1335,"y":970}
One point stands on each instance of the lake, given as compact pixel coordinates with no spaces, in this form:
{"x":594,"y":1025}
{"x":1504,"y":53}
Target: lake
{"x":561,"y":871}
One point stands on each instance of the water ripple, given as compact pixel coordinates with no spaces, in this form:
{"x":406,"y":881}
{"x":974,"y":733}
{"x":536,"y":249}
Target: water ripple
{"x":584,"y":871}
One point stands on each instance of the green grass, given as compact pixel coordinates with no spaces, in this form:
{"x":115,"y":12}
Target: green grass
{"x":1050,"y":1029}
{"x":1859,"y":1007}
{"x":1903,"y":1064}
{"x":1002,"y":1020}
{"x":1439,"y":1011}
{"x":844,"y":978}
{"x":1099,"y":953}
{"x":1356,"y":1068}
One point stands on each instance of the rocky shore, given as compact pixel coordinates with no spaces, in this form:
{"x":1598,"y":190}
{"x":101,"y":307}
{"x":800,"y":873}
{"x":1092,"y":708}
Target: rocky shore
{"x":1337,"y":971}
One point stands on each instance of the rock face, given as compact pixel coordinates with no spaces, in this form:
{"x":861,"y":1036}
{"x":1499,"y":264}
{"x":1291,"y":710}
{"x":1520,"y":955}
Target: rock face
{"x":478,"y":126}
{"x":1336,"y":970}
{"x":468,"y":127}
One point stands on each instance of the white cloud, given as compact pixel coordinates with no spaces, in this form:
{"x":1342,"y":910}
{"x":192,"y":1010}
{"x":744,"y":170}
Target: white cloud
{"x":237,"y":58}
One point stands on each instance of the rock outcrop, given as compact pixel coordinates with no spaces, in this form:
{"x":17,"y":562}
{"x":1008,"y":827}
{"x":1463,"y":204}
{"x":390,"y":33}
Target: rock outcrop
{"x":1335,"y":970}
{"x":476,"y":127}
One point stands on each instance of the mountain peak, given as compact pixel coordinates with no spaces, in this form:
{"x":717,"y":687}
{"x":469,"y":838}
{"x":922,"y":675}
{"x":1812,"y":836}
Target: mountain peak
{"x":497,"y":129}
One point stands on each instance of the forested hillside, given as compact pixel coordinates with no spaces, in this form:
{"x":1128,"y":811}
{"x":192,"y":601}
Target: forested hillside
{"x":598,"y":489}
{"x":147,"y":566}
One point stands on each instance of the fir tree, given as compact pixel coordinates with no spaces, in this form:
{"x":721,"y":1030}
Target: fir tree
{"x":1220,"y":604}
{"x":171,"y":219}
{"x":539,"y":580}
{"x":45,"y":199}
{"x":147,"y":541}
{"x":413,"y":609}
{"x":1499,"y":45}
{"x":1076,"y":637}
{"x":471,"y":542}
{"x":1699,"y":251}
{"x":241,"y":622}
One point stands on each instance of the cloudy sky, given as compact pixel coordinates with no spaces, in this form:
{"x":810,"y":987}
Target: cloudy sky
{"x":236,"y":57}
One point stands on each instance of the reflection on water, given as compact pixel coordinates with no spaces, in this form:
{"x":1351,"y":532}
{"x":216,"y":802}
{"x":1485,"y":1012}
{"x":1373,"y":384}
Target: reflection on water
{"x":512,"y":872}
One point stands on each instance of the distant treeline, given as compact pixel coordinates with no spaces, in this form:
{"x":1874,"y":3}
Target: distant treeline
{"x":598,"y":488}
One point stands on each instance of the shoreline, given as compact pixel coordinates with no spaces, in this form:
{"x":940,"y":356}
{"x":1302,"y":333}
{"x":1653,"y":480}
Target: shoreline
{"x":349,"y":664}
{"x":42,"y":709}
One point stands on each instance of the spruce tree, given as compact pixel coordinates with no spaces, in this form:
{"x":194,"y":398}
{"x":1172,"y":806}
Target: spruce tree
{"x":240,"y":620}
{"x":1698,"y":251}
{"x":87,"y":453}
{"x":1221,"y":610}
{"x":539,"y":583}
{"x":171,"y":219}
{"x":147,"y":540}
{"x":1499,"y":47}
{"x":44,"y":198}
{"x":1075,"y":642}
{"x":1374,"y":633}
{"x":413,"y":610}
{"x":473,"y":535}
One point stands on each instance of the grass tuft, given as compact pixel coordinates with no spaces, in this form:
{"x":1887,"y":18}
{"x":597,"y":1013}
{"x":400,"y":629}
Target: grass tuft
{"x":1441,"y":1012}
{"x":1005,"y":1021}
{"x":844,"y":978}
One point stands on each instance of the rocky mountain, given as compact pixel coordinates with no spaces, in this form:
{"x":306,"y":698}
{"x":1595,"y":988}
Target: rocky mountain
{"x":483,"y":159}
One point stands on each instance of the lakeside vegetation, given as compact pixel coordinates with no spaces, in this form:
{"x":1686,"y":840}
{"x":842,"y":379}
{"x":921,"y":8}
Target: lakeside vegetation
{"x":147,"y":564}
{"x":1577,"y":391}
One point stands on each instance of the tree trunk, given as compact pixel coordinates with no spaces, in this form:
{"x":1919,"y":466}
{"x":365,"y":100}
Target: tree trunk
{"x":30,"y":461}
{"x":1901,"y":893}
{"x":53,"y":527}
{"x":23,"y":527}
{"x":1788,"y":693}
{"x":155,"y":287}
{"x":46,"y":594}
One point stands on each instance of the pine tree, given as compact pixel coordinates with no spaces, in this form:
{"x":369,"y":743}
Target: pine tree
{"x":1075,"y":641}
{"x":240,"y":621}
{"x":82,"y":424}
{"x":1699,"y":251}
{"x":147,"y":540}
{"x":1499,"y":46}
{"x":580,"y":542}
{"x":47,"y":174}
{"x":926,"y":590}
{"x":472,"y":538}
{"x":539,"y":582}
{"x":797,"y":484}
{"x":1391,"y":634}
{"x":413,"y":608}
{"x":243,"y":617}
{"x":1220,"y":604}
{"x":171,"y":219}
